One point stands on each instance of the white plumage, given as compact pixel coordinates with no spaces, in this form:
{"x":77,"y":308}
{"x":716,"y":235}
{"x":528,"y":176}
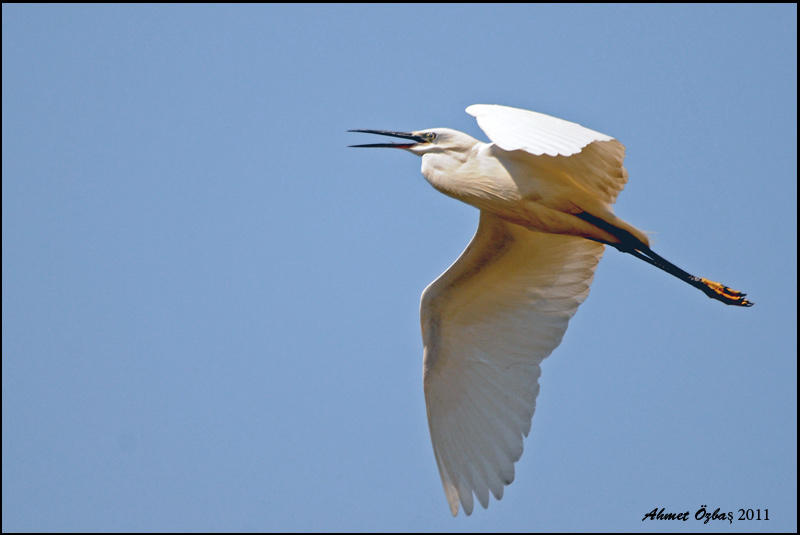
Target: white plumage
{"x":503,"y":306}
{"x":544,"y":187}
{"x":536,"y":133}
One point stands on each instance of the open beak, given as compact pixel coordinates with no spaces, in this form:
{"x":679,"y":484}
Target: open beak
{"x":404,"y":135}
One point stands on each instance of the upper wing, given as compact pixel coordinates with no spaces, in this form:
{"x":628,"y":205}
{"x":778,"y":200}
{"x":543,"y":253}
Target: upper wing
{"x":557,"y":148}
{"x":487,"y":323}
{"x":537,"y":133}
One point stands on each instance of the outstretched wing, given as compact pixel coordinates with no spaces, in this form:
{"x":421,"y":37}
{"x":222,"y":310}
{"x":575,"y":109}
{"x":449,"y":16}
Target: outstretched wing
{"x":557,"y":148}
{"x":487,"y":324}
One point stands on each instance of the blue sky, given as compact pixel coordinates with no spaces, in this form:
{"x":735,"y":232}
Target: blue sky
{"x":210,"y":305}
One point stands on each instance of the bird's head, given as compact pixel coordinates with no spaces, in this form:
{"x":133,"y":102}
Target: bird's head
{"x":423,"y":142}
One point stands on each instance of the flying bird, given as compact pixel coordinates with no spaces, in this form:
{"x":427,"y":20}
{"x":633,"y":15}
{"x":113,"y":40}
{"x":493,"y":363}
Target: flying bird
{"x":544,"y":187}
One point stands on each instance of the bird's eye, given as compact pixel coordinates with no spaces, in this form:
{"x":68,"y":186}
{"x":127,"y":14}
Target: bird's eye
{"x":430,"y":136}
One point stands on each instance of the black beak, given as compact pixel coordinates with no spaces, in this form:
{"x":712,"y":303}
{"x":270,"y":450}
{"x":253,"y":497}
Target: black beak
{"x":404,"y":135}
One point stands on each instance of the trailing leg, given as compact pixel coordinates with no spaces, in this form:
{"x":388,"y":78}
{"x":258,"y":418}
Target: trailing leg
{"x":633,"y":246}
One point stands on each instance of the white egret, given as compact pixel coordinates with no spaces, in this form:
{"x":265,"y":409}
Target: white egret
{"x":544,"y":187}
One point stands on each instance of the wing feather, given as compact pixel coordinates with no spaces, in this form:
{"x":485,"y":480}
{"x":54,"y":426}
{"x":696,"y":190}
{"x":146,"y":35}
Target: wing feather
{"x":536,"y":133}
{"x":487,"y":323}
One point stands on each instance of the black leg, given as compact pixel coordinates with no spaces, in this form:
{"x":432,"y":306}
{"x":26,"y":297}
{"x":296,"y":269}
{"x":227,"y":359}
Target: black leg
{"x":629,"y":244}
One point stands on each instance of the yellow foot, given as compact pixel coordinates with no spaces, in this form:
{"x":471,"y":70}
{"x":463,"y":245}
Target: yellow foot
{"x":727,"y":295}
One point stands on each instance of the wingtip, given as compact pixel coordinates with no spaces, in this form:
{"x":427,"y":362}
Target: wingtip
{"x":452,"y":502}
{"x":473,"y":109}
